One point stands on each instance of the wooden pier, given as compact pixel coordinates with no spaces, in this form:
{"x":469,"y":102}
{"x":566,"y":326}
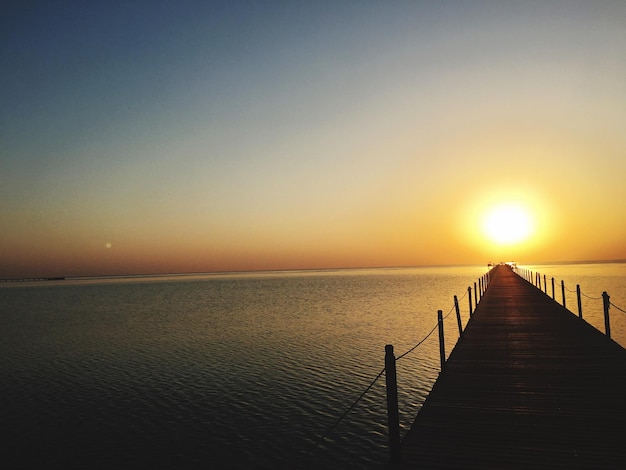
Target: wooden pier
{"x":529,"y":385}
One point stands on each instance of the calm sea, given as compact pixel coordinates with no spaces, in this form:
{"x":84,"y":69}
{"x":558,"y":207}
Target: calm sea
{"x":248,"y":370}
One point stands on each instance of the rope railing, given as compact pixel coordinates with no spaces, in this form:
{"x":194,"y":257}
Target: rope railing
{"x":591,"y":298}
{"x":534,"y":278}
{"x":618,"y":308}
{"x":569,"y":290}
{"x":481,"y":286}
{"x":367,"y":389}
{"x":350,"y":408}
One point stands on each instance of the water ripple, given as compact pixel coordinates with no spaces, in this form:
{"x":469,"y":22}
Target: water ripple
{"x":253,"y":370}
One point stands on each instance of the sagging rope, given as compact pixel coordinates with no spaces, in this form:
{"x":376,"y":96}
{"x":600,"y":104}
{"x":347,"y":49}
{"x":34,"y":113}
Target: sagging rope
{"x":591,"y":298}
{"x":345,"y":413}
{"x":336,"y":423}
{"x":618,"y":308}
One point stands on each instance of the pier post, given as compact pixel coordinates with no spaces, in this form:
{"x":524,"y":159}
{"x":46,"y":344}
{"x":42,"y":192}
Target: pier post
{"x":469,"y":292}
{"x":458,"y":316}
{"x":539,"y":281}
{"x":552,"y":288}
{"x":580,"y":304}
{"x":563,"y":292}
{"x":475,"y":295}
{"x":442,"y":344}
{"x":545,"y":284}
{"x":393,"y":416}
{"x":607,"y":304}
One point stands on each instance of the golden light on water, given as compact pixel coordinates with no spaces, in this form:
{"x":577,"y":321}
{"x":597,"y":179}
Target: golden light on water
{"x":508,"y":224}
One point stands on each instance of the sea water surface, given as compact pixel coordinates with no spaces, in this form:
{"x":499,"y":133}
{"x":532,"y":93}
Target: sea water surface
{"x":248,"y":370}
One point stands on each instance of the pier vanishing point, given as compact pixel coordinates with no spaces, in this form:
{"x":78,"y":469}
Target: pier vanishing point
{"x":528,"y":385}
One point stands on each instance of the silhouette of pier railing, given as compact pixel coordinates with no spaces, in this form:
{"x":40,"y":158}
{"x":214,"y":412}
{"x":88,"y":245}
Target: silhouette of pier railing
{"x":535,"y":278}
{"x":528,"y":385}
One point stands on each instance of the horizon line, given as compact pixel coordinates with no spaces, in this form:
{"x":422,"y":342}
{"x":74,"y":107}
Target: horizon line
{"x":287,"y":270}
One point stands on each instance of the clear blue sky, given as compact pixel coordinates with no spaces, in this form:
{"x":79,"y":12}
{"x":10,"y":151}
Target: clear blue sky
{"x":166,"y":136}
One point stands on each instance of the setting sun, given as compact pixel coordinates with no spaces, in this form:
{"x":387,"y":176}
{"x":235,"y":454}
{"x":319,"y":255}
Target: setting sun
{"x":508,"y":224}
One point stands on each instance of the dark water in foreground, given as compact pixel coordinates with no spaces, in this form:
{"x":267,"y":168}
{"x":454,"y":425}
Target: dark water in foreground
{"x":221,"y":371}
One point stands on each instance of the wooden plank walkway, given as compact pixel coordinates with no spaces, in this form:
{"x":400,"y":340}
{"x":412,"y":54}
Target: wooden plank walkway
{"x":529,"y":385}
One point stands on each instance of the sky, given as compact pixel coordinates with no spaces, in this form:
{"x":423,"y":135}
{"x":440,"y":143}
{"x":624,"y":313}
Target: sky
{"x":200,"y":136}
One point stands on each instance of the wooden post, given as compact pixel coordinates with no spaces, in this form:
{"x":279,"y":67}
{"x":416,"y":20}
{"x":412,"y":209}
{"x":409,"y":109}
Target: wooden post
{"x":475,"y":295}
{"x":442,"y":344}
{"x":607,"y":305}
{"x":458,"y":316}
{"x":469,"y":292}
{"x":552,"y":288}
{"x":580,"y":304}
{"x":539,"y":281}
{"x":563,"y":292}
{"x":545,"y":284}
{"x":393,"y":417}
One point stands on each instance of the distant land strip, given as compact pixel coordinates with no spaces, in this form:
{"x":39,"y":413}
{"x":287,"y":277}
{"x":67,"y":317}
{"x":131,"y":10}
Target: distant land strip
{"x":33,"y":279}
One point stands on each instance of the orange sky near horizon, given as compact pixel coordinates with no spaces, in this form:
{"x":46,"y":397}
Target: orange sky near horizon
{"x":233,"y":137}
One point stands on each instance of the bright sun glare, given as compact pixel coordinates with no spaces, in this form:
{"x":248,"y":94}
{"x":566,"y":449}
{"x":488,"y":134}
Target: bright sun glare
{"x":507,"y":224}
